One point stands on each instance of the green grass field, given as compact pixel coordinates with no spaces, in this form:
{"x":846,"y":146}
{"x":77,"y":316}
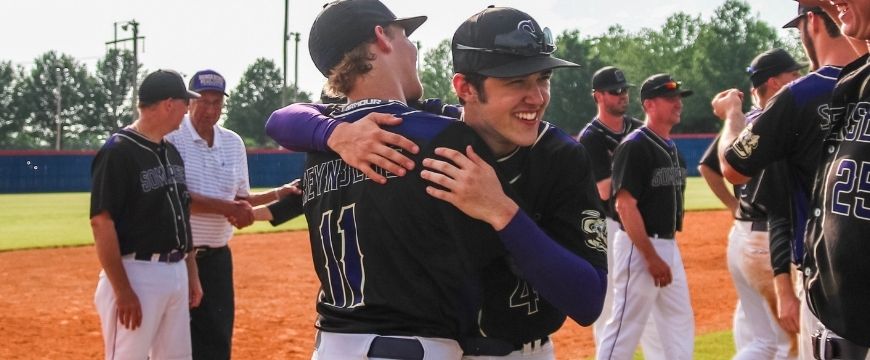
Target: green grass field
{"x":61,"y":219}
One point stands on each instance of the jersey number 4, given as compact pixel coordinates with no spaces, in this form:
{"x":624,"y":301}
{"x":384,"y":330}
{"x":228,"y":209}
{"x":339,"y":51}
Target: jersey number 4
{"x":342,"y":259}
{"x":524,"y":296}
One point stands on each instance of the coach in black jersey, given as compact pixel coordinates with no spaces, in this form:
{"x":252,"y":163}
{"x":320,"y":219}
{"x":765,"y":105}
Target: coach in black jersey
{"x":649,"y":180}
{"x":610,"y":91}
{"x":141,"y":222}
{"x":836,"y":265}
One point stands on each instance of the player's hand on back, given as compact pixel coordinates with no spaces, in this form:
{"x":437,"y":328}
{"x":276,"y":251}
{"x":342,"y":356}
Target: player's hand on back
{"x":659,"y":270}
{"x":129,"y":309}
{"x":363,"y":145}
{"x":470,"y":184}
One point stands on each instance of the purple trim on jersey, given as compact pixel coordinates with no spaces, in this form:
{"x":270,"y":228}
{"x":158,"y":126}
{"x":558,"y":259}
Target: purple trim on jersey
{"x":301,"y":127}
{"x":565,"y":280}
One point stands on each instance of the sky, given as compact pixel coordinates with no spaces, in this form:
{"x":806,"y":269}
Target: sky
{"x":228,"y":36}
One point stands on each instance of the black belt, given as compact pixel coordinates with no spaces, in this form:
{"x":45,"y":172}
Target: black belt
{"x":168,"y":257}
{"x":396,"y":348}
{"x":759,"y":225}
{"x":836,"y":348}
{"x":668,"y":235}
{"x":495,"y":347}
{"x":203,"y":251}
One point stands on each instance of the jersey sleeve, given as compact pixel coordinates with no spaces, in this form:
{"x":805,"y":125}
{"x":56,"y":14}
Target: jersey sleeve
{"x":711,"y":158}
{"x":286,"y":209}
{"x":301,"y":127}
{"x":598,"y":155}
{"x":631,"y":169}
{"x":769,"y":138}
{"x":775,"y":199}
{"x":110,"y":179}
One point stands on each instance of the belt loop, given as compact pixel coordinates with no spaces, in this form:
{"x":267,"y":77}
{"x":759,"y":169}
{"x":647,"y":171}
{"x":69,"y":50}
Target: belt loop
{"x":823,"y":344}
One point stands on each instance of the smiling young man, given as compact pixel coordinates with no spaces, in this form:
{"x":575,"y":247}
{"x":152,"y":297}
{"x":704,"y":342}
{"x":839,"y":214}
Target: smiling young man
{"x":503,"y":64}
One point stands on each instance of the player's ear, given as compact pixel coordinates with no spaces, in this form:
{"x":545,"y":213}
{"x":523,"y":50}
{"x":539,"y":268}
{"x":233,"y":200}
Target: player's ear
{"x":382,"y":39}
{"x":463,"y":88}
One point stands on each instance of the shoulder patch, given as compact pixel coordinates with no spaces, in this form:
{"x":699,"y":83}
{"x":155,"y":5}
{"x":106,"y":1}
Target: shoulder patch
{"x":746,"y":143}
{"x":593,"y":225}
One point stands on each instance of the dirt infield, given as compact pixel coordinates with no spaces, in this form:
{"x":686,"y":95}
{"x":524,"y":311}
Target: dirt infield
{"x":47,"y":311}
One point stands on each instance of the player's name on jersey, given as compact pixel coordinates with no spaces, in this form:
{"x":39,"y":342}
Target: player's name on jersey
{"x":331,"y":176}
{"x":156,"y":178}
{"x":858,"y":119}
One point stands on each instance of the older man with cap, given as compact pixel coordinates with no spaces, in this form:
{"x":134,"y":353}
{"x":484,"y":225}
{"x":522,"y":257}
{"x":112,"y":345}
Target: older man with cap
{"x":649,"y":180}
{"x":610,"y":91}
{"x":141,"y":225}
{"x":758,"y":334}
{"x":216,"y":165}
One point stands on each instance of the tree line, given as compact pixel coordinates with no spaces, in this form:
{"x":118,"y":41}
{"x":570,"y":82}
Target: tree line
{"x":706,"y":55}
{"x":57,"y":101}
{"x":58,"y":104}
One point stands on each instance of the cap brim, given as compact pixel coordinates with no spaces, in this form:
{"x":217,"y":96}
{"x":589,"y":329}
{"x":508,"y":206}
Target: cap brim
{"x":193,"y":95}
{"x":411,"y":23}
{"x":527,"y":65}
{"x":793,"y":23}
{"x":614,"y":87}
{"x":200,"y":91}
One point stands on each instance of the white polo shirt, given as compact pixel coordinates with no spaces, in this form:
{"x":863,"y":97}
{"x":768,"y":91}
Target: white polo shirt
{"x":219,"y":171}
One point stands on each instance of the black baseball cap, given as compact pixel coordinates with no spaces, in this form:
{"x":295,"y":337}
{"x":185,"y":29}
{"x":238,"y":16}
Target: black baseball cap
{"x":162,"y":85}
{"x":503,"y":42}
{"x":802,"y":11}
{"x":609,"y":78}
{"x":662,"y":85}
{"x":771,"y":63}
{"x":343,"y":25}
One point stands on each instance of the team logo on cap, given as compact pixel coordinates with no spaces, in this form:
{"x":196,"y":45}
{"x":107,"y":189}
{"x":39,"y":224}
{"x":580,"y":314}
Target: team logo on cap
{"x":593,"y":225}
{"x":526,"y":25}
{"x":746,"y":143}
{"x":211,"y":80}
{"x":619,"y":76}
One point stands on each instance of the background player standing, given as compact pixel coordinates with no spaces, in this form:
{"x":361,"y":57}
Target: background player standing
{"x":649,"y":179}
{"x":758,"y":334}
{"x":610,"y":91}
{"x":141,"y":224}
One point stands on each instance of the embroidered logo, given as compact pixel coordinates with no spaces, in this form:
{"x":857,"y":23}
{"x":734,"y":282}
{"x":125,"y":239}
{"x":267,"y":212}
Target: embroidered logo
{"x":596,"y":230}
{"x":746,"y":143}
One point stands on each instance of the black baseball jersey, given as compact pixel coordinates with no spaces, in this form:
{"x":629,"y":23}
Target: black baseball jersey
{"x":837,"y":266}
{"x":556,"y":189}
{"x":751,"y":206}
{"x":391,"y":259}
{"x":600,"y":141}
{"x":141,"y":184}
{"x":652,"y":170}
{"x":790,"y":128}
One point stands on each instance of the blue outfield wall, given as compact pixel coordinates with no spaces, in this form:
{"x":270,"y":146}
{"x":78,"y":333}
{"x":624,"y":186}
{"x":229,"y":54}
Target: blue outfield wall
{"x":69,"y":171}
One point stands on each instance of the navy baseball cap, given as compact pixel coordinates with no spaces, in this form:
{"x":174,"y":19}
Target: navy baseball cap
{"x":771,"y":63}
{"x":503,"y":42}
{"x":342,"y":25}
{"x":662,"y":85}
{"x":208,"y":80}
{"x":609,"y":78}
{"x":802,"y":11}
{"x":162,"y":85}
